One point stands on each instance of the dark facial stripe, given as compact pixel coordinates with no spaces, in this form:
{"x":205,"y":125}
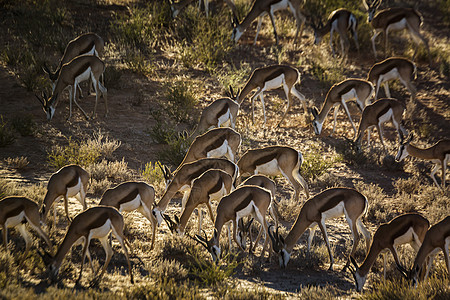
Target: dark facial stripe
{"x":133,"y":194}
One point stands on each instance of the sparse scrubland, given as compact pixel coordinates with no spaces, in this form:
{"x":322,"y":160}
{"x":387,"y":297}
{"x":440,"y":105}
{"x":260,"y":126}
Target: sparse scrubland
{"x":160,"y":72}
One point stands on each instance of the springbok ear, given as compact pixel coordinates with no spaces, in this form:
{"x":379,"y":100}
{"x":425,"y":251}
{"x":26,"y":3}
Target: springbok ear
{"x":403,"y":271}
{"x":40,"y":100}
{"x":247,"y":228}
{"x":177,"y":220}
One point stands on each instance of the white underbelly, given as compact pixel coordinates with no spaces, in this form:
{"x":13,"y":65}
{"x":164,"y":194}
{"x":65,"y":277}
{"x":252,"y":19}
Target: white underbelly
{"x":83,"y":76}
{"x":218,"y":152}
{"x":131,"y":205}
{"x":349,"y":95}
{"x":101,"y":231}
{"x":274,"y":83}
{"x":225,"y":118}
{"x":73,"y":190}
{"x":384,"y":118}
{"x":334,"y":212}
{"x":405,"y":238}
{"x":280,"y":5}
{"x":218,"y":195}
{"x":397,"y":25}
{"x":14,"y":221}
{"x":391,"y":75}
{"x":270,"y":168}
{"x":246,"y":210}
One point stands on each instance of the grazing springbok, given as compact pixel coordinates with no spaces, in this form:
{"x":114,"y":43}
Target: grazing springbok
{"x":404,"y":229}
{"x":390,"y":69}
{"x":273,"y":161}
{"x":341,"y":21}
{"x":378,"y":113}
{"x":394,"y":19}
{"x":220,"y":113}
{"x":210,"y":186}
{"x":94,"y":223}
{"x":436,"y":239}
{"x":71,"y":74}
{"x":262,"y":8}
{"x":132,"y":195}
{"x":69,"y":181}
{"x":17,"y":212}
{"x":439,"y":154}
{"x":85,"y":44}
{"x":183,"y":178}
{"x":339,"y":94}
{"x":269,"y":78}
{"x":243,"y":201}
{"x":329,"y":204}
{"x":214,"y":143}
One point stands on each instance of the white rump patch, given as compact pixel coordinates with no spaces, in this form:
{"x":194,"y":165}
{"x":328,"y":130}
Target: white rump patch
{"x":405,"y":238}
{"x":386,"y":117}
{"x":334,"y":212}
{"x":220,"y":151}
{"x":274,"y":83}
{"x":218,"y":195}
{"x":72,"y":191}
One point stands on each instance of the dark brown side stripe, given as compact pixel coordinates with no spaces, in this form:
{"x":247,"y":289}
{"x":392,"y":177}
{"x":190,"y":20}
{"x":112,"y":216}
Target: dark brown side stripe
{"x":133,"y":194}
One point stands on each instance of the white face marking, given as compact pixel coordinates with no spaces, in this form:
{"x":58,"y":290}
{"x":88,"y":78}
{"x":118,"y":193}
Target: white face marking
{"x":360,"y":281}
{"x":158,"y":215}
{"x":236,"y":35}
{"x":215,"y":253}
{"x":73,"y":190}
{"x":131,"y":205}
{"x":402,"y":153}
{"x":218,"y":152}
{"x":284,"y":258}
{"x":14,"y":221}
{"x":50,"y":112}
{"x":317,"y":127}
{"x":270,"y":168}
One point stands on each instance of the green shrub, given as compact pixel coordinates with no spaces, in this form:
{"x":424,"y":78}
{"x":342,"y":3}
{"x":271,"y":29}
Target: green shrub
{"x":180,"y":100}
{"x":315,"y":164}
{"x":175,"y":150}
{"x":152,"y":173}
{"x":18,"y":163}
{"x":24,"y":124}
{"x":6,"y":136}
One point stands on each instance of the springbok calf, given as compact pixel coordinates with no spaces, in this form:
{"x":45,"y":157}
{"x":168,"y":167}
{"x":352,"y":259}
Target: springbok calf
{"x":439,"y":154}
{"x":394,"y":19}
{"x":269,"y":78}
{"x":85,"y":44}
{"x":379,"y":113}
{"x":220,"y":113}
{"x":436,"y":239}
{"x":210,"y":186}
{"x":71,"y":74}
{"x":273,"y":161}
{"x":16,"y":212}
{"x":407,"y":228}
{"x":339,"y":94}
{"x":331,"y":203}
{"x":129,"y":196}
{"x":69,"y":181}
{"x":183,"y":178}
{"x":243,"y":201}
{"x":341,"y":21}
{"x":215,"y":143}
{"x":262,"y":8}
{"x":94,"y":223}
{"x":390,"y":69}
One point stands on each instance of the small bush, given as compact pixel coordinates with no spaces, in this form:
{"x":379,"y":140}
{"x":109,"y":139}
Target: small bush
{"x":136,"y":61}
{"x":152,"y":173}
{"x":315,"y":164}
{"x":166,"y":268}
{"x":317,"y":292}
{"x":73,"y":153}
{"x":378,"y":211}
{"x":6,"y":136}
{"x":164,"y":289}
{"x":164,"y":128}
{"x":175,"y":150}
{"x":180,"y":101}
{"x":18,"y":163}
{"x":24,"y":124}
{"x":115,"y":171}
